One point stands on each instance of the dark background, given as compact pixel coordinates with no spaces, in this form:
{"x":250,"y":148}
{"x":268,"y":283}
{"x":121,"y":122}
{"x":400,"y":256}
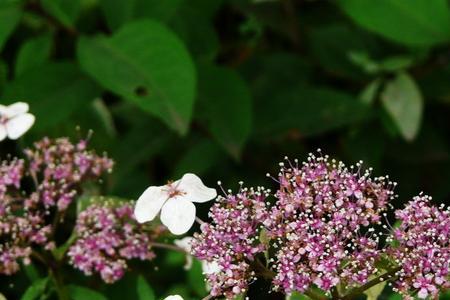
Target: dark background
{"x":226,"y":89}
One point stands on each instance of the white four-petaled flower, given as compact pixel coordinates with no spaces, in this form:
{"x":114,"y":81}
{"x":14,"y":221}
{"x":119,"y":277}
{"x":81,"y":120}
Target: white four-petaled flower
{"x":15,"y":120}
{"x":174,"y":200}
{"x":174,"y":297}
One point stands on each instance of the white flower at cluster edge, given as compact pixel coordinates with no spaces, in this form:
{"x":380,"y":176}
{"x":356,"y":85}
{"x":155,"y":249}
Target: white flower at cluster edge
{"x":174,"y":297}
{"x":185,"y":244}
{"x":175,"y":201}
{"x":15,"y":120}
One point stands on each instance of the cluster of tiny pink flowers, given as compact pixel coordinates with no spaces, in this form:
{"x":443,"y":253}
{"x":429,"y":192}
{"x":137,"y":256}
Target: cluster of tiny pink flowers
{"x":317,"y":224}
{"x":56,"y":168}
{"x":421,"y":248}
{"x":16,"y":231}
{"x":107,"y":237}
{"x":231,"y":241}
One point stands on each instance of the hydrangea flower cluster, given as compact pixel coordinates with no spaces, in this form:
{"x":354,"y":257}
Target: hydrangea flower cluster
{"x":108,"y":236}
{"x":231,"y":241}
{"x":319,"y":229}
{"x":57,"y":168}
{"x":421,"y":247}
{"x":18,"y":231}
{"x":317,"y":221}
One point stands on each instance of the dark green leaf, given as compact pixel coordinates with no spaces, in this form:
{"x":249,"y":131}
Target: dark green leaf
{"x":414,"y":23}
{"x":226,"y":106}
{"x":193,"y":26}
{"x":388,"y":64}
{"x":9,"y":17}
{"x":35,"y":290}
{"x":82,"y":293}
{"x":34,"y":52}
{"x":118,"y":12}
{"x":403,"y":101}
{"x":396,"y":63}
{"x":31,"y":272}
{"x":332,"y":45}
{"x":65,"y":11}
{"x":308,"y":111}
{"x":54,"y":91}
{"x":144,"y":291}
{"x":196,"y":279}
{"x":198,"y":159}
{"x":3,"y":74}
{"x":105,"y":116}
{"x":145,"y":63}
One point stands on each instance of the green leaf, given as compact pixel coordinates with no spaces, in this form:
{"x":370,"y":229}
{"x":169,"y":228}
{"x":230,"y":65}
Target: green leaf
{"x":82,"y":293}
{"x":369,"y":93}
{"x":307,"y":111}
{"x":332,"y":45}
{"x":374,"y":292}
{"x":388,"y":64}
{"x":54,"y":91}
{"x":119,"y":12}
{"x":403,"y":101}
{"x":34,"y":52}
{"x":296,"y":296}
{"x":2,"y":297}
{"x":198,"y":159}
{"x":413,"y":23}
{"x":65,"y":11}
{"x":395,"y":296}
{"x":365,"y":62}
{"x":225,"y":104}
{"x":146,"y":64}
{"x":31,"y":271}
{"x":35,"y":290}
{"x":3,"y":74}
{"x":397,"y":63}
{"x":144,"y":291}
{"x":9,"y":18}
{"x":196,"y":278}
{"x":105,"y":116}
{"x":194,"y":27}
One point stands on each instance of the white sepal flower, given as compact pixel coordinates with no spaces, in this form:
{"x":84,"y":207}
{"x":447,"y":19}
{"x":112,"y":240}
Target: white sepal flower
{"x":15,"y":120}
{"x":174,"y":297}
{"x":185,"y":244}
{"x":174,"y":200}
{"x":210,"y":267}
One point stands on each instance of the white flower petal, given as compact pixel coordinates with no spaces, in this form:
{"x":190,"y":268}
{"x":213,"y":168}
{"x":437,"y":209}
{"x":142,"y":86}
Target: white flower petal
{"x":178,"y":214}
{"x":210,"y":267}
{"x":16,"y":109}
{"x":194,"y":189}
{"x":2,"y":132}
{"x":174,"y":297}
{"x":3,"y":110}
{"x":149,"y":203}
{"x":18,"y":125}
{"x":184,"y":243}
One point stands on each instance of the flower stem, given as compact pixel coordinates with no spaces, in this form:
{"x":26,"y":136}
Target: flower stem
{"x":167,"y":246}
{"x":199,"y":221}
{"x":59,"y":285}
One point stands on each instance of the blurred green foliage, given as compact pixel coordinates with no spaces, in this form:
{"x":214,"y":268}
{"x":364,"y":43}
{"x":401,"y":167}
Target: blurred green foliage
{"x":226,"y":88}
